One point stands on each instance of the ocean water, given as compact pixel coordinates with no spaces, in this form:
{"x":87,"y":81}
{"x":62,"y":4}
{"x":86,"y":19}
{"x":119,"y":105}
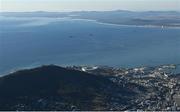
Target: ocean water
{"x":30,"y":42}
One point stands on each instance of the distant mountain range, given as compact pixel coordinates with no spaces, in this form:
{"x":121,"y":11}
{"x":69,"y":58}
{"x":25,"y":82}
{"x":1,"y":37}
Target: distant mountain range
{"x":121,"y":17}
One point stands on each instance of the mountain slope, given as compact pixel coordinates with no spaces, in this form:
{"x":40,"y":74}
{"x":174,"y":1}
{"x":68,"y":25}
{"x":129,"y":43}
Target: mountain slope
{"x":55,"y":88}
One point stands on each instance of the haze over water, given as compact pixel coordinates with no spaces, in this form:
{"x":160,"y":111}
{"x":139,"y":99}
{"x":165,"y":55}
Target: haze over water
{"x":29,"y":42}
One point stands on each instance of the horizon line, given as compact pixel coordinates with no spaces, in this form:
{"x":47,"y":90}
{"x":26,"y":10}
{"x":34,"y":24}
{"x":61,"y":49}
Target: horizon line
{"x":88,"y":11}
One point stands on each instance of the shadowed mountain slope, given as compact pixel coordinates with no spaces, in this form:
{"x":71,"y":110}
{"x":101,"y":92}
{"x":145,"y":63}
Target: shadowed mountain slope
{"x":55,"y":88}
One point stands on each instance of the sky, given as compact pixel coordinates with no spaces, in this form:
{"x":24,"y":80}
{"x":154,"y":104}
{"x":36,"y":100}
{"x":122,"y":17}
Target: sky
{"x":89,"y":5}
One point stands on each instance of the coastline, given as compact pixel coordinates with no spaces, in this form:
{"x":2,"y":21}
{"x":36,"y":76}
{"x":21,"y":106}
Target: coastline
{"x":175,"y":68}
{"x":98,"y":22}
{"x":124,"y":25}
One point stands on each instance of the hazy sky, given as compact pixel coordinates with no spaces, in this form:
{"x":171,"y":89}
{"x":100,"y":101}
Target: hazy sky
{"x":77,"y":5}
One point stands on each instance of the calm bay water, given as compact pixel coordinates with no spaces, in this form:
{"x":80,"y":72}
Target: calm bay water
{"x":29,"y":42}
